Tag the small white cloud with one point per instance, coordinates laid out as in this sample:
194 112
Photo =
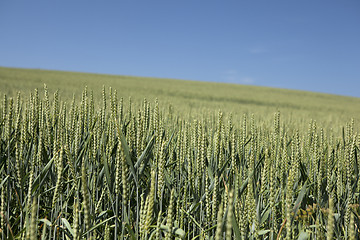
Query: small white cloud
247 80
257 50
231 72
232 76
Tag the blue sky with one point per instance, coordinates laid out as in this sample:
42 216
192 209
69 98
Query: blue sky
307 45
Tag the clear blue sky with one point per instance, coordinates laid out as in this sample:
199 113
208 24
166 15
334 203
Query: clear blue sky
308 45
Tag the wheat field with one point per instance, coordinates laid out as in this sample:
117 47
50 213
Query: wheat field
99 165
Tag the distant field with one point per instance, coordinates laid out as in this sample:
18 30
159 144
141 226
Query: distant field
192 97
